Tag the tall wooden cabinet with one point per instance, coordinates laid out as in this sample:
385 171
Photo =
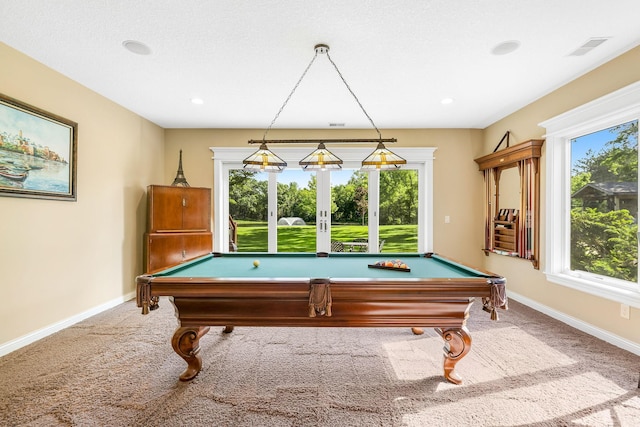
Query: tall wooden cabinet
178 225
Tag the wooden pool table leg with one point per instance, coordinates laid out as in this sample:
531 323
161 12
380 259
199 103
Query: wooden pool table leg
186 342
457 345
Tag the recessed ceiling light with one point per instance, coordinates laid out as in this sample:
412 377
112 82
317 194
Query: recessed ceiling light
136 47
197 101
446 101
505 47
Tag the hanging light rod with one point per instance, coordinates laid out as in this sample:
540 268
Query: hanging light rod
265 160
326 141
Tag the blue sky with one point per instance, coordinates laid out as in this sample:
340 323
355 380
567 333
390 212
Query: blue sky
594 141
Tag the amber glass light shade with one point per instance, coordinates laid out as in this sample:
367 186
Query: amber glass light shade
382 158
264 160
321 159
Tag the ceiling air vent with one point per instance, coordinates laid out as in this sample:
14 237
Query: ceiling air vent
588 46
336 125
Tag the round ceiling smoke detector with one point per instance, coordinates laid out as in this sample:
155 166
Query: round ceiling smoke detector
505 47
136 47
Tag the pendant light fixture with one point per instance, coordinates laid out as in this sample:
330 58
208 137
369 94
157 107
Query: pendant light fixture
321 159
264 160
382 158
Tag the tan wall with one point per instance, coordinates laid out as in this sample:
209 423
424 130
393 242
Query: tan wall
523 125
455 173
61 258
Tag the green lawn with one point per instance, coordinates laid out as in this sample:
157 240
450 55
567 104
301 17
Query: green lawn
252 237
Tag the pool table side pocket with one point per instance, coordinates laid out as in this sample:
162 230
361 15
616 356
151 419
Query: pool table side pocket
320 298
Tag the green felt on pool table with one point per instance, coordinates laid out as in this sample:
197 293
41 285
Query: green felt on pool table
309 265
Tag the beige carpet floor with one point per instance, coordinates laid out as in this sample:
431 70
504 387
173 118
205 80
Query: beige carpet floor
118 369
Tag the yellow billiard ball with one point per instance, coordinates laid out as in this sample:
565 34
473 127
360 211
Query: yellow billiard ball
256 263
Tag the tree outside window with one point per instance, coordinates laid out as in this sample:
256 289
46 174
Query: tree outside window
604 202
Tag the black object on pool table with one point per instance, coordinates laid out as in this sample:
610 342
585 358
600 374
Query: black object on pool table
383 266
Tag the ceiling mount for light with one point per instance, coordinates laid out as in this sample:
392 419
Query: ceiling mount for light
321 48
321 158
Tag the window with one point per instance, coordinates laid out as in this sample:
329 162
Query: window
592 197
398 209
417 175
604 202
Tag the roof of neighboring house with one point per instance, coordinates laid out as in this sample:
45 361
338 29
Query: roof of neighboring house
607 189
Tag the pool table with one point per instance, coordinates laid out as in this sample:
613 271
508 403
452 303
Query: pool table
321 290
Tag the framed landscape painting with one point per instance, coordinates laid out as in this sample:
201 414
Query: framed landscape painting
38 152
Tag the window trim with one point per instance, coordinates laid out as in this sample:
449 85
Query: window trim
227 158
615 108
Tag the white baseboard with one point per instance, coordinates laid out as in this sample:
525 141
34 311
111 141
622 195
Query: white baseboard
10 346
616 340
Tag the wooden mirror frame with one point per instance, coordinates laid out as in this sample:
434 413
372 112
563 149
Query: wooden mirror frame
526 225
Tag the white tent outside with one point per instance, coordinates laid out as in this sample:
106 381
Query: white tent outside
291 220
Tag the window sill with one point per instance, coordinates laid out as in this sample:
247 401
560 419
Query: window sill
603 287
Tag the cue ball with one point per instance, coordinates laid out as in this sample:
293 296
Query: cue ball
256 263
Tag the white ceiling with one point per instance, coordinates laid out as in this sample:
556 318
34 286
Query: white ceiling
243 57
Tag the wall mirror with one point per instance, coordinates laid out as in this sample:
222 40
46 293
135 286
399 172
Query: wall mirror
512 200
